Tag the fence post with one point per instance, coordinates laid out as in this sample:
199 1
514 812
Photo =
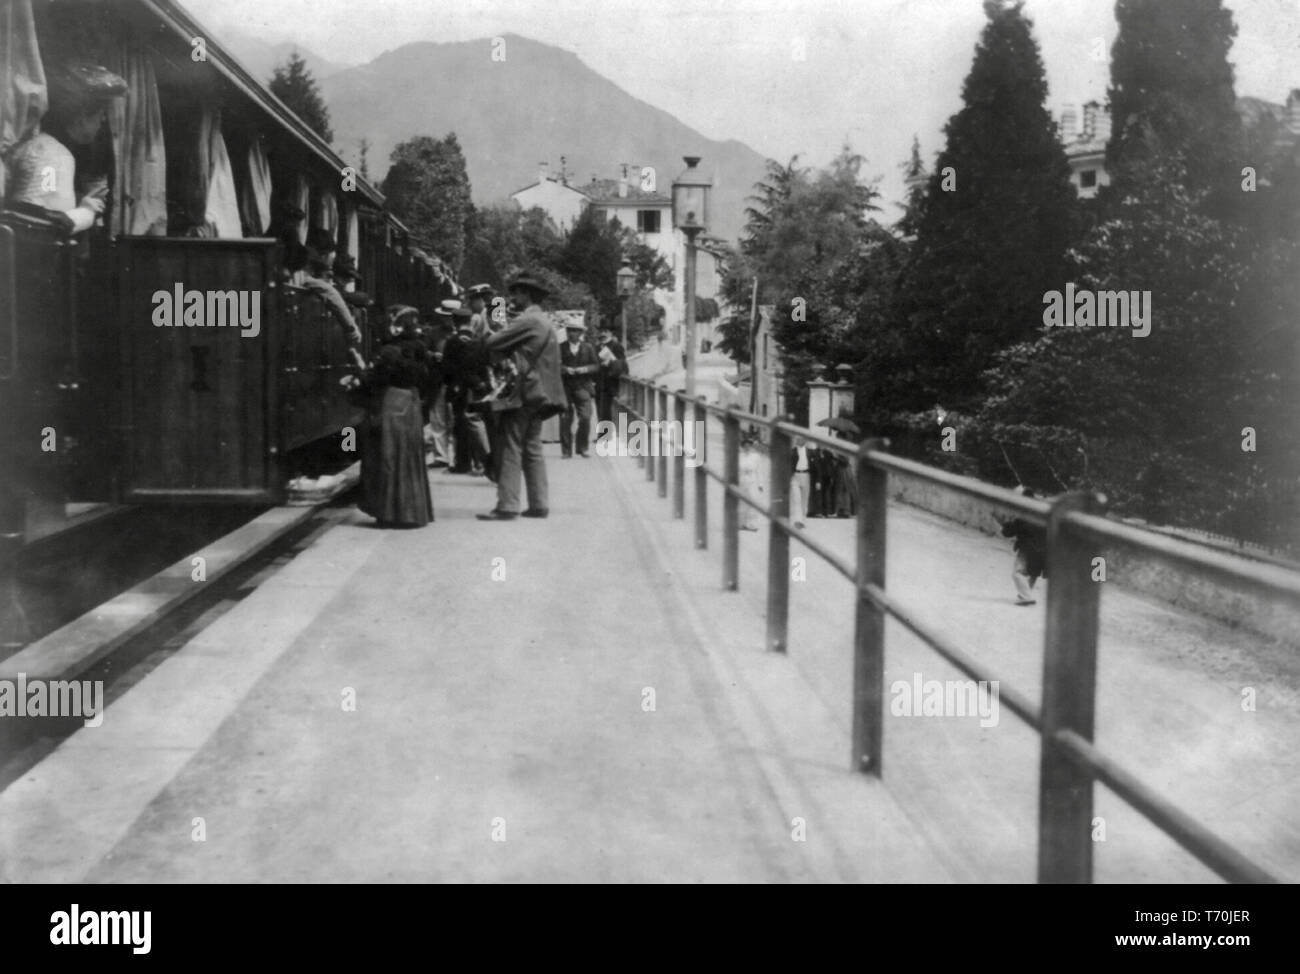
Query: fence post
1069 697
701 478
778 544
679 458
731 506
663 438
869 620
652 431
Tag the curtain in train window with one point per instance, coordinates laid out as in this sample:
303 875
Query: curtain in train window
302 199
352 232
222 210
255 190
326 213
140 186
24 97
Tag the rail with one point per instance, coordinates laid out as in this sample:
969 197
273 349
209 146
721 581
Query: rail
1075 527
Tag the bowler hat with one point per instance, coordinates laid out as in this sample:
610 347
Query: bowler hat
531 283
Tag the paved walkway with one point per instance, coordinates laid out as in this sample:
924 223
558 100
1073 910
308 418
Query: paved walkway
503 677
501 731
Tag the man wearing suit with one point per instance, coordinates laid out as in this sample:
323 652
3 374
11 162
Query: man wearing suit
529 345
579 365
801 467
613 364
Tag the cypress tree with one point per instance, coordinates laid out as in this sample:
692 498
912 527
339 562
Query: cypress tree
996 220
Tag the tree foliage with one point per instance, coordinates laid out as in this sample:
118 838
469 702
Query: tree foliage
428 189
294 85
995 221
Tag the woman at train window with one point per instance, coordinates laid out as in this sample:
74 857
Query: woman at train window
394 484
44 168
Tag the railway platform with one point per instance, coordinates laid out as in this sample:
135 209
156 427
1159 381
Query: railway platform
577 699
464 702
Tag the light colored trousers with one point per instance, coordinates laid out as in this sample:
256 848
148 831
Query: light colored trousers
799 484
440 426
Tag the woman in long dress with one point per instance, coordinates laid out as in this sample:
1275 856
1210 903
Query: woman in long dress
394 482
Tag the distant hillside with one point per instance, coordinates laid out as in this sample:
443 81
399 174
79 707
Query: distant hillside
262 58
541 103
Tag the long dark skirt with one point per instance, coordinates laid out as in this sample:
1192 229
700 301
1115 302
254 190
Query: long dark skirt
394 483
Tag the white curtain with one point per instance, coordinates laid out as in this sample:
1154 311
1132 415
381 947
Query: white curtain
24 96
222 210
135 121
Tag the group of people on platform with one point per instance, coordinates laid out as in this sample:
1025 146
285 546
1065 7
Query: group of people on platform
484 378
821 482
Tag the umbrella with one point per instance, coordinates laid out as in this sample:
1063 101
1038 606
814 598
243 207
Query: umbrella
842 424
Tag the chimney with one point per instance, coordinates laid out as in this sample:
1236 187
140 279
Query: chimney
1069 124
1089 121
622 184
541 171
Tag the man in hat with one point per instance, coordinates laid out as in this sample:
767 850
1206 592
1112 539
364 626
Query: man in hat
43 169
529 344
465 366
579 366
480 304
613 364
319 281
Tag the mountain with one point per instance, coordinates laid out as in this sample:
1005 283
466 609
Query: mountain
539 104
261 58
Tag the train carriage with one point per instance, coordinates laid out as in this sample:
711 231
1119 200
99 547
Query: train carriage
122 376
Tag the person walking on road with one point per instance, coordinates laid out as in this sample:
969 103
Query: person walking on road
527 349
579 365
1031 553
801 465
613 365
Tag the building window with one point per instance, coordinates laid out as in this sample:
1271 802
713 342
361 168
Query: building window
602 214
647 221
764 407
765 351
1088 178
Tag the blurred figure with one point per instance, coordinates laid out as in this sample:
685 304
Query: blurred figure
442 445
750 481
613 365
1031 553
800 480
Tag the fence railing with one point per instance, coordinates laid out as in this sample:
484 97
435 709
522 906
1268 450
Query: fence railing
1076 530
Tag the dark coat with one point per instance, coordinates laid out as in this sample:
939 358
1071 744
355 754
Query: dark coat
1030 540
582 386
530 342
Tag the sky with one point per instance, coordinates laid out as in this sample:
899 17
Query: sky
784 76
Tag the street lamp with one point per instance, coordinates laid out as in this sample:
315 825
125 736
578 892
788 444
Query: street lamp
691 216
626 287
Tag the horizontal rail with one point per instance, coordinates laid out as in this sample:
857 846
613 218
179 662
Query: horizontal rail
1064 720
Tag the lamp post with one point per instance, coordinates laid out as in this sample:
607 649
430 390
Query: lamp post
691 216
626 279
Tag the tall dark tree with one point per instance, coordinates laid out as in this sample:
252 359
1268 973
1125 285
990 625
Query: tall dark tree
428 189
294 85
995 221
1171 94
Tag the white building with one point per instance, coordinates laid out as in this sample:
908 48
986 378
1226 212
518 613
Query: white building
1085 147
647 212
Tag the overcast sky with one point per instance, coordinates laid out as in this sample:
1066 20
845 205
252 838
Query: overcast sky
874 71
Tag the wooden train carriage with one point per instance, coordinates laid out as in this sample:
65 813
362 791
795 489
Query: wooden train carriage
155 405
